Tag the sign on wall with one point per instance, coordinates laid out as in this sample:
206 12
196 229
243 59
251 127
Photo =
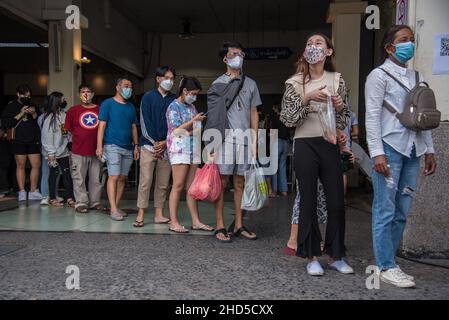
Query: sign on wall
401 12
274 53
441 54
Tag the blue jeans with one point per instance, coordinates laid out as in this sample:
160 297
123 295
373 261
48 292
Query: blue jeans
279 180
44 179
391 205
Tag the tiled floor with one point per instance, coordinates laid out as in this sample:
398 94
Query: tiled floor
33 217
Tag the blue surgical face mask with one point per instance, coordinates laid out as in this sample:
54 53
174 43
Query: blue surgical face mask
126 93
404 52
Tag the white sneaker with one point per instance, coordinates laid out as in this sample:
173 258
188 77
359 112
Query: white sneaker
45 201
36 195
22 196
342 267
412 278
397 278
314 268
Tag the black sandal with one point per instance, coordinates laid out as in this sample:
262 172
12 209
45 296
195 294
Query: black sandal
225 233
240 231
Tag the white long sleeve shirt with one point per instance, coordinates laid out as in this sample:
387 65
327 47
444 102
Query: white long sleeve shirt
381 124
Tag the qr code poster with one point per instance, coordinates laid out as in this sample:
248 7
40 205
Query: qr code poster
441 54
444 52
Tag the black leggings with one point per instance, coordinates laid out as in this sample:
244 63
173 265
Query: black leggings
64 168
316 158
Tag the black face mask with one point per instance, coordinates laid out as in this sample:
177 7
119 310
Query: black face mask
25 101
63 105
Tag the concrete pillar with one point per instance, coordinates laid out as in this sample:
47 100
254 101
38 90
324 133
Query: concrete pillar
345 17
65 50
64 69
426 234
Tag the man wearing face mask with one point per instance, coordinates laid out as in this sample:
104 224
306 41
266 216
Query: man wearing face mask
154 146
20 117
117 142
232 104
82 122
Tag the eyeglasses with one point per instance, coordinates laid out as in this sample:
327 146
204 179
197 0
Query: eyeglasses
235 54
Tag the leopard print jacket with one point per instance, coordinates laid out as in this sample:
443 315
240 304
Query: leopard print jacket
293 112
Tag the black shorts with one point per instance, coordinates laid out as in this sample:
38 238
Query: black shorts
24 149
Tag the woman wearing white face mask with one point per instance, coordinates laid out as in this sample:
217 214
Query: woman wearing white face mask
315 158
182 120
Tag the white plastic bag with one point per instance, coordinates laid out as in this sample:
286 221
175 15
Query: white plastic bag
255 194
326 113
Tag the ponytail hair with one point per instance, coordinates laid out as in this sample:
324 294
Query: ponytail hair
189 83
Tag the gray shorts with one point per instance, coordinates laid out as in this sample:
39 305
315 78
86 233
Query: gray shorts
233 159
118 160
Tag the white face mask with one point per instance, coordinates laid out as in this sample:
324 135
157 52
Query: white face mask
167 85
236 63
190 99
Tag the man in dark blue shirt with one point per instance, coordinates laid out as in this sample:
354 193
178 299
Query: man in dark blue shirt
153 146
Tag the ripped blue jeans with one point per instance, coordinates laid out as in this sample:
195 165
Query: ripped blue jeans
391 205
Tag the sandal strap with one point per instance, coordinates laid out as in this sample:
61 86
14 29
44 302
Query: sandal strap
223 231
242 229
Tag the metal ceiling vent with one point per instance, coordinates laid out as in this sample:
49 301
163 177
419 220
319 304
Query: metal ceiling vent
187 31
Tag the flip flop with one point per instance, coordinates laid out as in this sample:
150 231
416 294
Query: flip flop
162 222
239 233
203 227
181 230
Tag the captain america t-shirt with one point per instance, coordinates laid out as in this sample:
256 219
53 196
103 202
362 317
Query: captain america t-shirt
82 123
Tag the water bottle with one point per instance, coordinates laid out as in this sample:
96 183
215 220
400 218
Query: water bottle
102 158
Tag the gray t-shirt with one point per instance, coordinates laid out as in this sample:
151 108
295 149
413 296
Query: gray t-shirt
239 115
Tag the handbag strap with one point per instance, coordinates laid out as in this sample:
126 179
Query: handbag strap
397 80
242 82
15 127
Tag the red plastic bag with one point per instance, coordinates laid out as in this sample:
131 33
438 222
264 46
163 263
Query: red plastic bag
207 184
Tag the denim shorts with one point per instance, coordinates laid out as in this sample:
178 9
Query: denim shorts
118 160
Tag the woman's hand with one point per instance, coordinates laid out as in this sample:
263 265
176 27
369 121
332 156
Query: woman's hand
23 111
430 165
51 159
381 165
199 117
342 139
317 95
337 102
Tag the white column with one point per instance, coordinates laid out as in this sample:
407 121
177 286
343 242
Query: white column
65 50
346 19
64 54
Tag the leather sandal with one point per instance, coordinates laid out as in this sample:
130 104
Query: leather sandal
240 231
225 233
